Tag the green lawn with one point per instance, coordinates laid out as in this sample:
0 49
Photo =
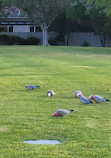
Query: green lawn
26 115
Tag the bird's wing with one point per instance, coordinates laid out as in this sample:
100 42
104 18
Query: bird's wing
34 87
63 111
52 92
37 86
55 114
84 100
30 87
98 98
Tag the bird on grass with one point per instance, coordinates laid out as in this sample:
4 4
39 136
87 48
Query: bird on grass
84 100
98 98
77 93
50 93
31 87
62 112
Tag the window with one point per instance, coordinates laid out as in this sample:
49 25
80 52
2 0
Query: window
31 28
10 28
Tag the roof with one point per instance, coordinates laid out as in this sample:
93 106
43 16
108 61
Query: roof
15 21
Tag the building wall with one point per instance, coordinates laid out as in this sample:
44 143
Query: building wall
78 38
21 28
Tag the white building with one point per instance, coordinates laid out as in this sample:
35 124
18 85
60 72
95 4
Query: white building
17 24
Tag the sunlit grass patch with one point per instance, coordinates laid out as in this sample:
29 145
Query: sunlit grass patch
4 129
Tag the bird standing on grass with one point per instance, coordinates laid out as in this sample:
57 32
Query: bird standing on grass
50 93
31 87
98 98
84 100
77 93
62 112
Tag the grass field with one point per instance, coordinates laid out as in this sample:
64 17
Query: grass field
26 115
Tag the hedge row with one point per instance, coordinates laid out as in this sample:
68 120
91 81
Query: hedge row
17 40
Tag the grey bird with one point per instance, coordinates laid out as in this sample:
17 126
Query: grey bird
84 100
98 98
31 87
62 112
50 93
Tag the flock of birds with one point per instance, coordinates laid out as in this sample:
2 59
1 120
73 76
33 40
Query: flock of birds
78 94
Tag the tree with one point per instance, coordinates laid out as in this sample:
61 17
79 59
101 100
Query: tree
3 5
101 3
101 24
90 15
62 26
100 20
77 13
42 12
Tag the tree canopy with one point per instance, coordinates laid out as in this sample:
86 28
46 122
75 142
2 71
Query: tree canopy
105 3
3 5
42 12
93 14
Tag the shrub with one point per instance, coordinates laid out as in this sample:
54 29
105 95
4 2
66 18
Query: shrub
17 40
11 40
14 40
33 40
4 39
52 42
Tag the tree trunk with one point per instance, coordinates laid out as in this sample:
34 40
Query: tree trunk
68 35
44 28
102 40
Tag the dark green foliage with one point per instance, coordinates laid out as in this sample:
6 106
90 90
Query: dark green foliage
53 41
3 4
106 3
59 39
81 20
101 23
3 38
33 40
17 40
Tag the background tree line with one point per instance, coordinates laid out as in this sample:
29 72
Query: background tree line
85 16
65 16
